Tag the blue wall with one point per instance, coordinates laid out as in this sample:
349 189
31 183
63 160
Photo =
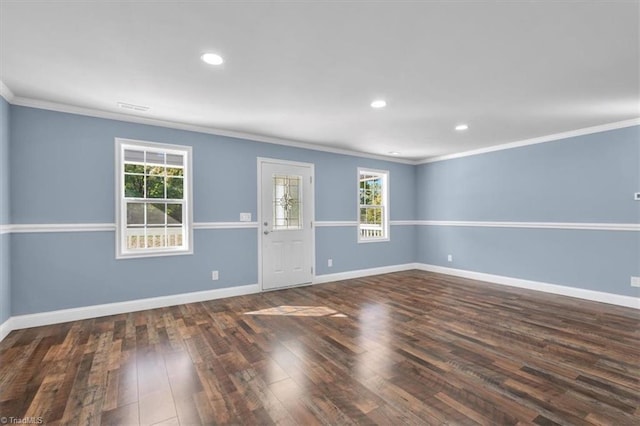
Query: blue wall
5 252
62 168
588 178
65 175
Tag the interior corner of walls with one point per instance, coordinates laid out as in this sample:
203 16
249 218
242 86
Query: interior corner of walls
5 328
6 93
579 293
634 122
360 273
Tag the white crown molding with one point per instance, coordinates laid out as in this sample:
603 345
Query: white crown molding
75 314
580 293
6 93
536 225
533 141
70 109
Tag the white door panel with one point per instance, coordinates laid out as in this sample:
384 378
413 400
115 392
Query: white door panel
277 248
297 251
286 215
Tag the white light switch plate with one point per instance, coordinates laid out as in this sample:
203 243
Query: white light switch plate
245 217
635 281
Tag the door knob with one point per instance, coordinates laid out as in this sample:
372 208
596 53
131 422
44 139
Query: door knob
266 232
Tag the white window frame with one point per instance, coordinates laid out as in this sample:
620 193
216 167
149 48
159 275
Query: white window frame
385 205
121 212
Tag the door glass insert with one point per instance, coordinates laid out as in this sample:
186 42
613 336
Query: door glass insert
287 206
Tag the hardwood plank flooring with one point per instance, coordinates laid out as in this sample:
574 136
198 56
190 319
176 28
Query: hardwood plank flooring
404 348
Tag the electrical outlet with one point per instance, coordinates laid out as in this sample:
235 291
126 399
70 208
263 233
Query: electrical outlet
214 275
450 258
635 281
636 196
329 263
245 217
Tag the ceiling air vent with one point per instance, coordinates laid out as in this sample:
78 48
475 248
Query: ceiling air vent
132 107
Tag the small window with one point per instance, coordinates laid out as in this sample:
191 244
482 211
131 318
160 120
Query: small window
153 199
373 210
287 208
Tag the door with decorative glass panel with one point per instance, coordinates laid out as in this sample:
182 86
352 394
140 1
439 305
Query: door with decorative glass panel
286 220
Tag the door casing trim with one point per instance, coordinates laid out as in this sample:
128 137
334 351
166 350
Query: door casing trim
264 160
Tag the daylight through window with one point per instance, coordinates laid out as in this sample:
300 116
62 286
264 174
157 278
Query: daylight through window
154 203
373 221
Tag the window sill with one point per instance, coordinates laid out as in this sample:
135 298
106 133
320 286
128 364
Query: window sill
154 253
373 240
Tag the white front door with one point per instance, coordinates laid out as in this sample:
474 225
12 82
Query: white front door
286 218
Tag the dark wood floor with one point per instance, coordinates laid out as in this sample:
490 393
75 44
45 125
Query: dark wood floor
403 348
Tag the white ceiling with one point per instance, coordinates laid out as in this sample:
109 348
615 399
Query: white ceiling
307 71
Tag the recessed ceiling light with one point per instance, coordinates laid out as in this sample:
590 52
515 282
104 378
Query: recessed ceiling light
378 103
461 127
394 153
212 59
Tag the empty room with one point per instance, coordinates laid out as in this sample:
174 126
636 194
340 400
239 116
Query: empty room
319 212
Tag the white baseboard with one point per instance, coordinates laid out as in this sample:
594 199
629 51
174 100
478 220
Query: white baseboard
75 314
6 328
580 293
349 275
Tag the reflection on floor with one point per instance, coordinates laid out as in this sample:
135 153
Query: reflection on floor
404 348
299 311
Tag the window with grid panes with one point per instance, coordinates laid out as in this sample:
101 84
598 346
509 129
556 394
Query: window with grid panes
373 211
153 194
